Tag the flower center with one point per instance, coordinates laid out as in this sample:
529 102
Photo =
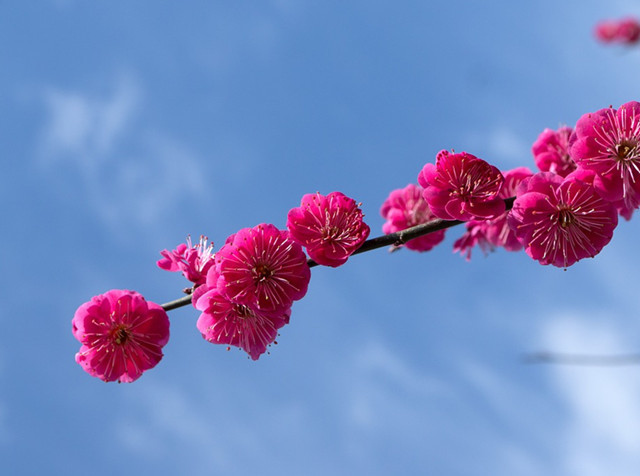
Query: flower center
330 233
242 311
262 273
626 149
120 334
565 218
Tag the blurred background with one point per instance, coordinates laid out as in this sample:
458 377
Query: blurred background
126 126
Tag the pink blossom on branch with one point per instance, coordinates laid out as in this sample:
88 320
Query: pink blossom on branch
406 207
495 232
224 322
608 143
330 227
561 221
551 151
193 261
475 235
262 268
462 187
122 335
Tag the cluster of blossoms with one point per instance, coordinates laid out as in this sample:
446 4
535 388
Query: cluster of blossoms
625 31
244 291
588 176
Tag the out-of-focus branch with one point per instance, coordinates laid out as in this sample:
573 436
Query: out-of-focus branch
592 360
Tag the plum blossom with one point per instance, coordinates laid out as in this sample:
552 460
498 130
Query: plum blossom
476 235
495 232
224 322
122 335
625 31
628 31
608 143
261 268
561 220
551 151
462 187
192 260
406 207
330 227
606 31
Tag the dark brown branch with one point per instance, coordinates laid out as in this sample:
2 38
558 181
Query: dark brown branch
392 239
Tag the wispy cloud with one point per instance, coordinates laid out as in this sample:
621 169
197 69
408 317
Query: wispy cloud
603 404
211 432
377 370
169 420
505 144
392 400
130 172
502 145
85 127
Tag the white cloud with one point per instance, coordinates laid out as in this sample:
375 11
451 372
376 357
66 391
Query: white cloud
130 173
504 144
377 369
602 435
147 186
213 431
470 410
85 127
500 144
168 421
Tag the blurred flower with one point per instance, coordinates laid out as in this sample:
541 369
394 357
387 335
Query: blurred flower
606 31
262 268
561 220
462 187
628 31
192 261
625 31
224 322
331 227
122 335
608 143
406 207
551 151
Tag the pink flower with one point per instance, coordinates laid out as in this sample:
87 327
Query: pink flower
476 234
262 268
551 151
192 261
495 232
224 322
628 31
625 31
561 221
331 227
608 143
606 31
405 208
462 187
122 335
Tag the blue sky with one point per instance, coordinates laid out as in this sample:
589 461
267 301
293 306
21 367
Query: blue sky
128 125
